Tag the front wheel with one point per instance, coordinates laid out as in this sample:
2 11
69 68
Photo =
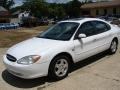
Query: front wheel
113 47
59 68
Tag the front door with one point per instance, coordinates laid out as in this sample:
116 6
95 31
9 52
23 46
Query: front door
84 47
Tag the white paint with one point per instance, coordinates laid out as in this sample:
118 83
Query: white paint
48 49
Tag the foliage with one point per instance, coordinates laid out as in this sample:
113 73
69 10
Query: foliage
7 4
14 9
29 22
73 8
56 10
37 7
40 8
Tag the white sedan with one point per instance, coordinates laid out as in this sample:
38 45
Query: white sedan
53 52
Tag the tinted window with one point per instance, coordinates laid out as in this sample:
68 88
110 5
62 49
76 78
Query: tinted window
100 26
87 28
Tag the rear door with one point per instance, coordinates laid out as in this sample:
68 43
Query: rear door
103 35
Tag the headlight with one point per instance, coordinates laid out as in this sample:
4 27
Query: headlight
28 59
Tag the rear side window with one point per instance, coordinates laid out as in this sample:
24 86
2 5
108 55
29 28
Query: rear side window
100 26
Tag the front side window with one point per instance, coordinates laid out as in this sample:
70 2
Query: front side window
60 31
87 29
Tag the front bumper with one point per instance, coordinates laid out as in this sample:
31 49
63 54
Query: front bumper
27 71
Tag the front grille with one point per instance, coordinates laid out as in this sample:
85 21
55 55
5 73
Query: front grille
11 58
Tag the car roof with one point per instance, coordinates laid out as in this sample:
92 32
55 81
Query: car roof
81 20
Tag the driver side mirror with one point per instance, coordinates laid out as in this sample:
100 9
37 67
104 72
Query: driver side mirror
82 36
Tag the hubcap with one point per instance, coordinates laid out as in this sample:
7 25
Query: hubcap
61 67
113 46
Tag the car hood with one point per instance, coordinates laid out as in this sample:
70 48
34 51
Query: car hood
33 46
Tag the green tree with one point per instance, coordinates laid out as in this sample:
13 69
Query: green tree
40 8
37 7
56 10
7 4
73 8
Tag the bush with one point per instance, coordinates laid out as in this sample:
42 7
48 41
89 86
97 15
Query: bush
29 21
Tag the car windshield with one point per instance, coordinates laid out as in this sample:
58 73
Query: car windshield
60 31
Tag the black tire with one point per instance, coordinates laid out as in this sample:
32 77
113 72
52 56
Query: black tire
52 69
113 47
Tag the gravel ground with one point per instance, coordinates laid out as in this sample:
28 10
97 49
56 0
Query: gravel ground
101 72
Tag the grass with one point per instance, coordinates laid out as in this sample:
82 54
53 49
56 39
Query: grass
9 38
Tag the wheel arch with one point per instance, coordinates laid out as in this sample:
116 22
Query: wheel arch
64 54
115 38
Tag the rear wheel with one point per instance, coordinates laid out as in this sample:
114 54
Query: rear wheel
59 67
113 46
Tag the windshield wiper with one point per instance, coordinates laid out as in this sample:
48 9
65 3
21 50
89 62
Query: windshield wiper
44 37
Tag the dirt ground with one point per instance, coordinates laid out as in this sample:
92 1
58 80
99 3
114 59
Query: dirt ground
11 37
